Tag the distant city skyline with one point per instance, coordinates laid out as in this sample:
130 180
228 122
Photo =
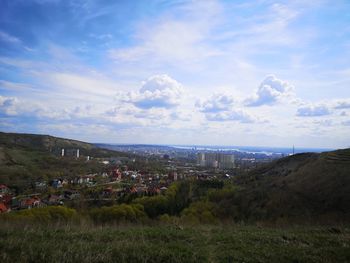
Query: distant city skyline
211 72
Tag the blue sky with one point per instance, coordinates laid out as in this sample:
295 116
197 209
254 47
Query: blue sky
256 73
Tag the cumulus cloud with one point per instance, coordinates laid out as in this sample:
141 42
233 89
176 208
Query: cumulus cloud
125 112
217 103
181 116
346 123
233 115
344 104
50 114
313 110
223 107
8 105
159 91
270 91
325 123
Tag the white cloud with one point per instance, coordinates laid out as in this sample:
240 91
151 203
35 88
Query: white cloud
174 37
8 105
218 102
271 91
8 38
222 107
346 123
313 110
181 116
80 85
14 85
159 91
325 123
232 115
343 104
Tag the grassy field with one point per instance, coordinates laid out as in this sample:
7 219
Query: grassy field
169 243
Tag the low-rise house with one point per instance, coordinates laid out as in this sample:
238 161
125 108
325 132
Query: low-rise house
30 202
55 200
57 183
4 189
71 194
64 182
86 179
116 174
3 208
40 185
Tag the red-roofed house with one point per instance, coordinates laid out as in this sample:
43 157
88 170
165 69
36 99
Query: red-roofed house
3 208
30 202
116 174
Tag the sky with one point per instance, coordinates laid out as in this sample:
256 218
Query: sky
205 72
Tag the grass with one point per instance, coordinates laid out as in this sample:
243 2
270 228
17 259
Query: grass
167 243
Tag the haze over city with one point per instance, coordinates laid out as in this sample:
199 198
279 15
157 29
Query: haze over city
257 73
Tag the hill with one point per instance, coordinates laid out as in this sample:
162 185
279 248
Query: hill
25 158
47 143
303 186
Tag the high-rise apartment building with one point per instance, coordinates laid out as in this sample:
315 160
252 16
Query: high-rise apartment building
216 160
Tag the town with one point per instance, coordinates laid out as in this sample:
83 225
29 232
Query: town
121 178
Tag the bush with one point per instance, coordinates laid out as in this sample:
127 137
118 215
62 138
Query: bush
176 198
43 214
179 196
222 194
165 218
154 205
118 214
199 212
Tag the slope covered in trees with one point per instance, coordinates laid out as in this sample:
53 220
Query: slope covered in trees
303 186
25 158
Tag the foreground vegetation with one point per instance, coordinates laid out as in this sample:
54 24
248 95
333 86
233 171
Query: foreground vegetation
170 243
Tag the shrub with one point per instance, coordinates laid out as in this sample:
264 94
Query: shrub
118 214
222 194
199 212
154 205
43 214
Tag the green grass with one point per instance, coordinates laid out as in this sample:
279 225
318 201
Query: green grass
168 243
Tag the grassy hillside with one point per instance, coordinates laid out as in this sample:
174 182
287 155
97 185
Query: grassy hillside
302 186
25 158
46 143
171 244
